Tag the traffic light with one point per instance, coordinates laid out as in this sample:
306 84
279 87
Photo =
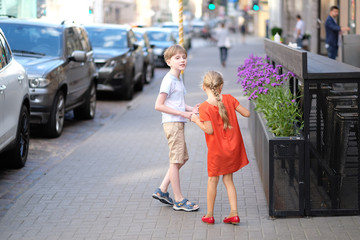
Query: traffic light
211 5
256 6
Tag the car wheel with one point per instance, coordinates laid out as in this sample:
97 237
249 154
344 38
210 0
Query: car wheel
17 156
57 116
87 111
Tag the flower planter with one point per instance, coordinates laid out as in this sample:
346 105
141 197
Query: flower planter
280 161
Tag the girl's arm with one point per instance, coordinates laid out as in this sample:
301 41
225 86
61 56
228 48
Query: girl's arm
243 111
205 126
161 107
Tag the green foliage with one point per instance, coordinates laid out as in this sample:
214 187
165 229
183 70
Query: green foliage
275 30
281 111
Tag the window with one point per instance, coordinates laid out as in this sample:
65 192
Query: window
4 53
352 16
72 41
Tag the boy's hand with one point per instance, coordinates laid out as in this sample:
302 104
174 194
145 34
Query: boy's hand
187 115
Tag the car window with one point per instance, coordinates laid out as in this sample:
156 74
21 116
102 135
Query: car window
3 61
5 52
140 38
72 40
132 37
158 36
31 39
107 38
84 40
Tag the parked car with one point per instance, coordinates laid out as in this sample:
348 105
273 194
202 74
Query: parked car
148 51
118 58
161 38
14 108
186 33
59 62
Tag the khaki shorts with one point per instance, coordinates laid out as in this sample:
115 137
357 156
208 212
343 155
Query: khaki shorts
174 132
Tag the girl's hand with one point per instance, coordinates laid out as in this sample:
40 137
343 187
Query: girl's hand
195 109
195 118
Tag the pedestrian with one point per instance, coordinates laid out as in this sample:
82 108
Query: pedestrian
299 31
175 113
223 42
333 33
243 32
226 150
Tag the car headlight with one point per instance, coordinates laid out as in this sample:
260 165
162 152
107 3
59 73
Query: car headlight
110 64
158 51
38 82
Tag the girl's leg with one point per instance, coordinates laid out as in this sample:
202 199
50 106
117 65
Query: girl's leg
231 191
211 195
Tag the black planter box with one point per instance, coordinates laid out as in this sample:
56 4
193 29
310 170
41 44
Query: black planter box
280 161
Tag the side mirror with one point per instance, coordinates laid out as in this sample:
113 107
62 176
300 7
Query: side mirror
78 56
152 45
135 45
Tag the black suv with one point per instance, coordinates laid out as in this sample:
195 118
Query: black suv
59 61
118 57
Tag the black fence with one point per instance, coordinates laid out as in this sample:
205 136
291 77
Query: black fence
330 168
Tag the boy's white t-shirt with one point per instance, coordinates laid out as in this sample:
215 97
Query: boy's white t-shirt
175 90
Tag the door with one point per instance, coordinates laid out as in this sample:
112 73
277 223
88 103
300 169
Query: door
77 73
10 95
138 55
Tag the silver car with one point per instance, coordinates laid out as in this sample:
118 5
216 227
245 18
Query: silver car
14 108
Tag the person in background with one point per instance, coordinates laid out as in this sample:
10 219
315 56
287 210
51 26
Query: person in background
333 32
243 32
223 42
299 30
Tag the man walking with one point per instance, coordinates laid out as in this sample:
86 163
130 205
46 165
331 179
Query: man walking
333 32
299 30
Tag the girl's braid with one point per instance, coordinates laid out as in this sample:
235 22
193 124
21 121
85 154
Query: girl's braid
214 80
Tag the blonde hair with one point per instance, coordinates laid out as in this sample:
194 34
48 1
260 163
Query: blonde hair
213 80
173 50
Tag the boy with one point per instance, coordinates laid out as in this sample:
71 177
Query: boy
171 103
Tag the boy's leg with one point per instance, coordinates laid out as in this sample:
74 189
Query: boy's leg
231 191
175 183
175 180
211 195
165 182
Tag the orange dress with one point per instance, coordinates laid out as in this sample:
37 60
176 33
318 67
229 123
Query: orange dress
226 150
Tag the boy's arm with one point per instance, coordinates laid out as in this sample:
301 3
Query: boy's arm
194 109
205 126
160 106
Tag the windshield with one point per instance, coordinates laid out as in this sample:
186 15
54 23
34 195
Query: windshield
107 38
158 36
36 40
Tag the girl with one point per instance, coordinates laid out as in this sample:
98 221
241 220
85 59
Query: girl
226 151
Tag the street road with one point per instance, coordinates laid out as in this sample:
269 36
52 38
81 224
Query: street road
46 153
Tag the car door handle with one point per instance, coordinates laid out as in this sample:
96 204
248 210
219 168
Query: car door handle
20 78
2 89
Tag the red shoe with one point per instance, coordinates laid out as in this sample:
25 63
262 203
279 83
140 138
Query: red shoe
232 220
209 220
